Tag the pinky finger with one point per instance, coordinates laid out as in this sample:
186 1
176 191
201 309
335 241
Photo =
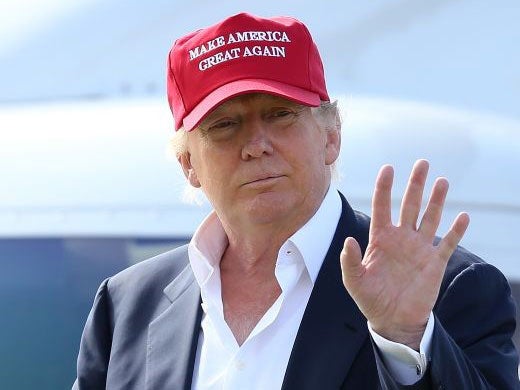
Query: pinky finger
454 235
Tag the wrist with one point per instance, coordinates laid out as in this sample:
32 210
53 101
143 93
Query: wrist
411 337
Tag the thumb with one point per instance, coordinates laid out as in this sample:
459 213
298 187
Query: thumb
350 258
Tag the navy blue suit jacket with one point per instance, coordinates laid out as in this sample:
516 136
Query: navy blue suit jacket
143 329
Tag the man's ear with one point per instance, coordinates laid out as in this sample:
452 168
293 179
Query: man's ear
333 144
188 169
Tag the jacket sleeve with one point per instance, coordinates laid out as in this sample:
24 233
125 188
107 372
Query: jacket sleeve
96 340
472 344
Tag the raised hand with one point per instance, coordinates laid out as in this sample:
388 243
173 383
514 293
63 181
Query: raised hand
396 283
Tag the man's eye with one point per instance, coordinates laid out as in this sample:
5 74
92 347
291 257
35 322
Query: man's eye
222 125
281 113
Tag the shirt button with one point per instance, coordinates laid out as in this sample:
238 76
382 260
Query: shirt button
240 365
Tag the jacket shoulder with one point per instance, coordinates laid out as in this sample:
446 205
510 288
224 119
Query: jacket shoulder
463 262
149 277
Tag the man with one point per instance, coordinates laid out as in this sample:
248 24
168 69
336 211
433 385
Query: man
284 285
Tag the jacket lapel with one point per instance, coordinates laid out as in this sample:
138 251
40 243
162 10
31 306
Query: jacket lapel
173 336
332 329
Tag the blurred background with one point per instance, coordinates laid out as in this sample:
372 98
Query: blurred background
86 185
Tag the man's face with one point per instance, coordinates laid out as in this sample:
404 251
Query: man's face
261 159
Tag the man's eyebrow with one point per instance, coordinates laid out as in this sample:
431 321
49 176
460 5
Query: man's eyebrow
219 110
275 101
211 116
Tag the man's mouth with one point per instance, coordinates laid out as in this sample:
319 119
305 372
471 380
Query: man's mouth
263 180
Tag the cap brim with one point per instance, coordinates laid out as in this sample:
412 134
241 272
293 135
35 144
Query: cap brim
241 87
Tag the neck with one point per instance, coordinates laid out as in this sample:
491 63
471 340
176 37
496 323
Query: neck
248 252
253 246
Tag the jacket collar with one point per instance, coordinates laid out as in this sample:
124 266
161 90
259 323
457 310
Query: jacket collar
173 336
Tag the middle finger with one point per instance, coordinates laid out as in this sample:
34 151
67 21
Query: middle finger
412 199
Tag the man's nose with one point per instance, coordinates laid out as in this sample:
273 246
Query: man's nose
258 141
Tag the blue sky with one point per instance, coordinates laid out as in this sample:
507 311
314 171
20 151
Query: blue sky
457 53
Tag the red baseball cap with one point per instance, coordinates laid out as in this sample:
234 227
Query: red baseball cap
242 54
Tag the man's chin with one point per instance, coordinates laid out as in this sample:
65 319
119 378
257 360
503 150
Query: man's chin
267 207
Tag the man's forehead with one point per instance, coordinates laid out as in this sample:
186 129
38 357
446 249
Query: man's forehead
256 98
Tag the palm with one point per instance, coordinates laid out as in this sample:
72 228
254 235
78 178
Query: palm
396 283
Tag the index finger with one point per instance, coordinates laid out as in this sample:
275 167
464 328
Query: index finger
382 199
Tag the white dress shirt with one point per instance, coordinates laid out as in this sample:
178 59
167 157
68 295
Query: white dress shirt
261 361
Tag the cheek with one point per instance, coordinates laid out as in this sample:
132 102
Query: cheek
313 162
213 174
311 151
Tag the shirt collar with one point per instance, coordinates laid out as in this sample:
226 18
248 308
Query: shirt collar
312 240
206 248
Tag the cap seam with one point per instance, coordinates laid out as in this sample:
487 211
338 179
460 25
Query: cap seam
174 78
309 43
